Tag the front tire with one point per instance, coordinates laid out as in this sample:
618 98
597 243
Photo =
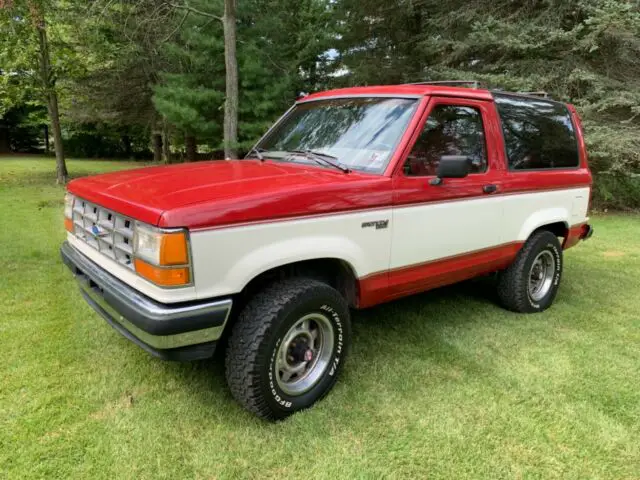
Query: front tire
531 282
287 348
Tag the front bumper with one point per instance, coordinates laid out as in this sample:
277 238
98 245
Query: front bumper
185 331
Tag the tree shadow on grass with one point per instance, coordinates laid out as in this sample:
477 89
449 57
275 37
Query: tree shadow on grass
446 307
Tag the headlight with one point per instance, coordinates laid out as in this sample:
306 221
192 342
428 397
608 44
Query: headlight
147 245
162 257
68 211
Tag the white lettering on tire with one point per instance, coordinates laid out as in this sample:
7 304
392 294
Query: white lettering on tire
336 319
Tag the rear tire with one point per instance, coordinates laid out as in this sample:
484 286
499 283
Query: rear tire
287 348
531 282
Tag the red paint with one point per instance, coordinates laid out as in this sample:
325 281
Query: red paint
214 194
582 145
385 286
207 194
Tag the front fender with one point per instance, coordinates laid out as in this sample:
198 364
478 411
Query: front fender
290 251
227 259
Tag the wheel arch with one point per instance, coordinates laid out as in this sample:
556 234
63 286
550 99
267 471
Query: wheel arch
336 272
559 229
554 220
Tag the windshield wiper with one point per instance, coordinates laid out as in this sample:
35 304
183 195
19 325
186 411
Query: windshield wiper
322 157
258 153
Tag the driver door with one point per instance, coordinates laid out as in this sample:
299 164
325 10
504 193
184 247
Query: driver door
452 231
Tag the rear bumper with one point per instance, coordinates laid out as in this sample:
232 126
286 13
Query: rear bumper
582 231
587 232
186 331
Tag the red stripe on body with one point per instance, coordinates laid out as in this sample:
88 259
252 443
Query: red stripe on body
384 286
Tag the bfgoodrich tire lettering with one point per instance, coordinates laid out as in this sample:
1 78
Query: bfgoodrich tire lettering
252 366
516 284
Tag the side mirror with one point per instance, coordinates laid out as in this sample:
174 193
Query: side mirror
452 166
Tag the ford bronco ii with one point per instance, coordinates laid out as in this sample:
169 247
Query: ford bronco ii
353 198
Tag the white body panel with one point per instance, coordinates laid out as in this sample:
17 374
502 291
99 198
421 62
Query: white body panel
226 259
525 212
433 231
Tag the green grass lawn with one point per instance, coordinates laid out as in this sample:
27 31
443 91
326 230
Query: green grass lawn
440 385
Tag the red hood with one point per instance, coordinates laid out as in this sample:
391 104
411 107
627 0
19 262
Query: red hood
207 194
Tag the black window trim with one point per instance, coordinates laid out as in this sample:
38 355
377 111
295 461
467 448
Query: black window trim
504 143
437 102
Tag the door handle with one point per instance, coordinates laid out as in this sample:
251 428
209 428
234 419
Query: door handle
491 188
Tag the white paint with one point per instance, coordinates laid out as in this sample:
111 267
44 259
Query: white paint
438 230
226 259
528 211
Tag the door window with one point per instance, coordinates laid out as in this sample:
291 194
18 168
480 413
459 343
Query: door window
449 130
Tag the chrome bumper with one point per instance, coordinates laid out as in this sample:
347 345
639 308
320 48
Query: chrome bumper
176 332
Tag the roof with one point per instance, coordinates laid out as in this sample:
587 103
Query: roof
402 91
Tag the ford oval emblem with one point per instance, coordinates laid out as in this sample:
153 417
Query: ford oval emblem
97 232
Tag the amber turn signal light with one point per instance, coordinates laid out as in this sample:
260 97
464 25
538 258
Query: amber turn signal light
164 277
68 224
173 249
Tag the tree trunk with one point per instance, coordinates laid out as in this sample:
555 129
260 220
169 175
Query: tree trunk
231 69
156 139
46 139
48 82
126 143
191 148
4 140
166 143
54 115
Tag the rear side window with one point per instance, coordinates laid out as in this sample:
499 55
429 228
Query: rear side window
538 134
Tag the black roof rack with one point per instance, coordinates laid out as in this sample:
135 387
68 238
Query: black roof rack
451 83
536 94
477 84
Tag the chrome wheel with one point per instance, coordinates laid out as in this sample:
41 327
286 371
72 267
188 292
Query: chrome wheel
541 275
304 354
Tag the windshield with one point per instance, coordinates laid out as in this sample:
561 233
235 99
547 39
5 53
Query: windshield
358 133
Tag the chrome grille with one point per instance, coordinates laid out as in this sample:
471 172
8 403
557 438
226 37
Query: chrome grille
106 231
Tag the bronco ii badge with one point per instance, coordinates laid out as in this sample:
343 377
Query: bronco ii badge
380 224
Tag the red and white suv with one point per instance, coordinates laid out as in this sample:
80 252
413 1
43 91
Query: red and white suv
355 197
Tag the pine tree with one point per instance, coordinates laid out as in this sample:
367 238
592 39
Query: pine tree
582 51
